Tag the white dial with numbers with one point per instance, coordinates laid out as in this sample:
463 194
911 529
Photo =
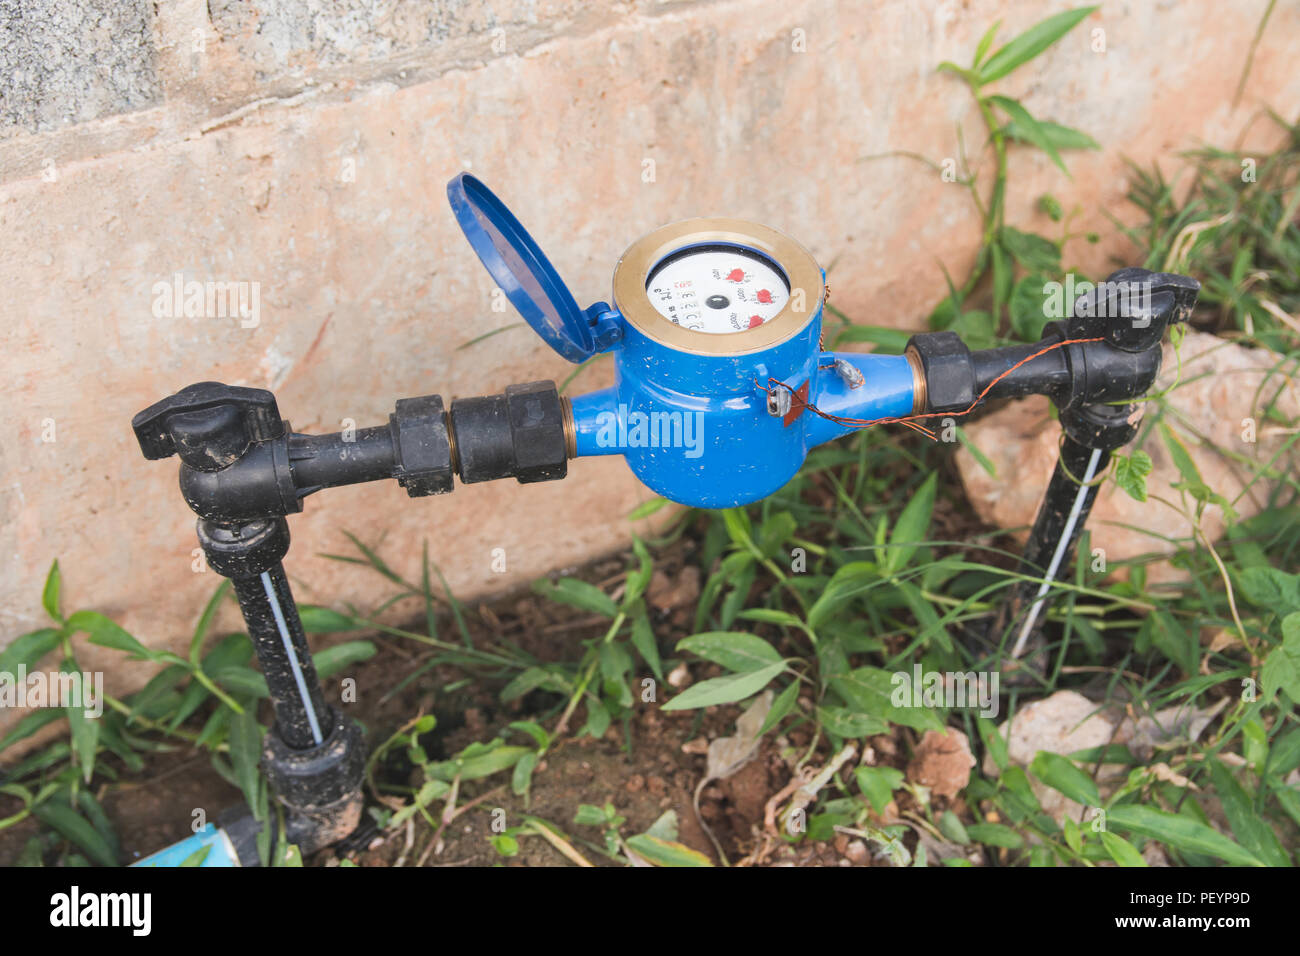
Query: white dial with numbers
717 289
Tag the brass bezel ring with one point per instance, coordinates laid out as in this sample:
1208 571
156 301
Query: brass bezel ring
800 269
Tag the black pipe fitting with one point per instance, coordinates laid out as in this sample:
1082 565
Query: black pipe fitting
321 786
240 462
518 434
1122 320
422 463
949 372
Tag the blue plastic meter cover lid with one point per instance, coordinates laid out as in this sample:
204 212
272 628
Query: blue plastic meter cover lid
521 270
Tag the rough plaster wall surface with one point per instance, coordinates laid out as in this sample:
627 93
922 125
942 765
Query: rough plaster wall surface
305 150
67 61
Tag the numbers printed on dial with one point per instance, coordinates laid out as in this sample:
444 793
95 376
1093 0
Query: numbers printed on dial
718 289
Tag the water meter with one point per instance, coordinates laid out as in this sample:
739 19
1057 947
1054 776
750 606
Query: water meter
715 331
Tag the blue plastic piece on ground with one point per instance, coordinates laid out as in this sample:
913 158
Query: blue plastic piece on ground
211 842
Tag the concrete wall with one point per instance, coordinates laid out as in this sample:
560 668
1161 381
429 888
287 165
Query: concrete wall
305 145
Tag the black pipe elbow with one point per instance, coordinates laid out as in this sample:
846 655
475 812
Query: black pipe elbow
257 485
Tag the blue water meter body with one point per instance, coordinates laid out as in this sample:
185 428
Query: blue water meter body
715 332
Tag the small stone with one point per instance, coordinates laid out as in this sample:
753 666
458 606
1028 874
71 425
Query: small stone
942 762
856 853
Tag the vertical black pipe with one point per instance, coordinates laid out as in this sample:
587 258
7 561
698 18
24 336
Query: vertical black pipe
250 555
1091 434
1049 550
281 644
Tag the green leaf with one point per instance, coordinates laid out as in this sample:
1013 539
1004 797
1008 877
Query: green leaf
50 593
197 858
1049 205
638 580
1270 588
1062 137
1029 128
334 659
912 526
245 742
589 815
205 619
1120 850
29 725
665 852
323 620
995 834
886 340
1036 253
646 509
1247 825
978 327
734 650
846 583
1028 307
1061 774
643 639
108 633
84 729
1283 757
614 660
725 690
878 784
775 532
845 723
241 680
770 615
1179 832
521 779
482 764
871 690
1003 276
27 650
950 826
290 855
60 816
1131 473
994 742
739 529
1182 458
981 459
532 729
783 704
1029 44
577 593
531 679
505 844
1281 669
986 41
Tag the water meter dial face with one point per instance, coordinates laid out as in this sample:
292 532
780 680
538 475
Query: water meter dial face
718 288
714 286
